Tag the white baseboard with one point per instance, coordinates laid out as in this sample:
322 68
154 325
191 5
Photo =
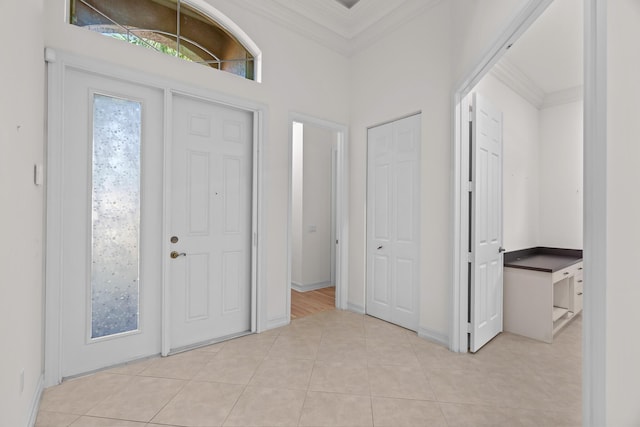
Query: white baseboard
310 287
35 402
434 336
356 308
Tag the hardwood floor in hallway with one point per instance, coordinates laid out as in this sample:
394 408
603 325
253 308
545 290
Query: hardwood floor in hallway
307 303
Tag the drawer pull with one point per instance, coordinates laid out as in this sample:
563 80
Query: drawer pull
579 281
579 293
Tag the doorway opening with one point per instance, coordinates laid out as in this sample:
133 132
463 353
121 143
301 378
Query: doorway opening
542 106
592 370
317 216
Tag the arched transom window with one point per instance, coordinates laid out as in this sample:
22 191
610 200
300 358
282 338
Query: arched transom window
172 27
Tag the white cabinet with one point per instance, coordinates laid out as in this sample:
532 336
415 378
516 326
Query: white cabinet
538 304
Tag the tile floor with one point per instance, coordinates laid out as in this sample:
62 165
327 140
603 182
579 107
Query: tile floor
334 368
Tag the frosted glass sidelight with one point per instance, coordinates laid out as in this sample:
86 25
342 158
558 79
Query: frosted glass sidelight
115 216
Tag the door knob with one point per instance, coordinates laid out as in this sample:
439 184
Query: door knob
175 254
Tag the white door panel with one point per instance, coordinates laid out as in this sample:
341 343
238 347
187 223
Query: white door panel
486 230
211 217
111 233
393 222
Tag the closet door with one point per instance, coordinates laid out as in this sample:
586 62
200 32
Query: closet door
393 221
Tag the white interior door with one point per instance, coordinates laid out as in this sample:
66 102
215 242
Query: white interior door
486 223
211 227
393 221
110 256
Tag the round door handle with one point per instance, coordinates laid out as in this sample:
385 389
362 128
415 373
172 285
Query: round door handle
175 254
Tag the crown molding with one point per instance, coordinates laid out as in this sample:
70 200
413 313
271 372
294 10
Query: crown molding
390 22
332 25
566 96
519 82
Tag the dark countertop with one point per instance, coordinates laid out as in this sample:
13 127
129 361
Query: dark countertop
544 259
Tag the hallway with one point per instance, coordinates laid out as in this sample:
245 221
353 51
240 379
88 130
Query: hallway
334 368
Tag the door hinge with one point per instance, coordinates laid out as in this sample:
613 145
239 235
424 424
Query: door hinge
469 329
470 114
336 241
470 188
470 257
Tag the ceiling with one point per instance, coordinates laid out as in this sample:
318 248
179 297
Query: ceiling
348 3
547 60
334 24
543 65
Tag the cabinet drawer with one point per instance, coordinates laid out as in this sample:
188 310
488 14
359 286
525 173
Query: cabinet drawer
562 274
577 302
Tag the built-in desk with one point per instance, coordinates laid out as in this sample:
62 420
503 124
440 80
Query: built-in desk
542 290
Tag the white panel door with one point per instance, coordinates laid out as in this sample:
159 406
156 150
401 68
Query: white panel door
211 228
111 230
486 223
393 222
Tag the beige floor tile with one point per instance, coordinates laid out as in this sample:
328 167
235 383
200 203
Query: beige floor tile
342 349
332 409
259 406
478 416
306 330
237 370
132 368
283 373
336 360
295 347
200 404
344 331
79 395
399 381
140 400
105 422
213 348
256 345
383 353
54 419
525 390
495 416
340 377
405 413
182 366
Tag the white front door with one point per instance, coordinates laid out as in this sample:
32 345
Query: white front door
211 222
393 221
110 229
486 223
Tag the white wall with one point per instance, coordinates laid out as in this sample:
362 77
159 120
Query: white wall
298 75
561 176
623 213
297 186
316 245
21 214
417 80
521 163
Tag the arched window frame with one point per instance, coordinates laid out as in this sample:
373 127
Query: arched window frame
227 24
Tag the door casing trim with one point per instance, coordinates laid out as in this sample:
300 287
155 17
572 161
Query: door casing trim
57 64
